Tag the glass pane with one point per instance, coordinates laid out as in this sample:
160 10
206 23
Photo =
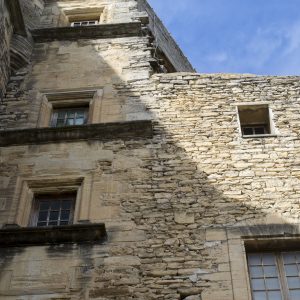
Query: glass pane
258 284
291 270
70 122
53 215
259 130
247 131
40 224
71 114
254 259
294 295
65 215
55 205
79 121
53 223
44 205
64 222
293 282
256 272
274 295
259 296
270 271
66 204
289 258
272 284
60 123
43 215
269 259
61 114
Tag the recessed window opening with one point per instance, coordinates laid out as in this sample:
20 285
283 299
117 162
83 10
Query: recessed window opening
53 210
254 120
69 116
274 275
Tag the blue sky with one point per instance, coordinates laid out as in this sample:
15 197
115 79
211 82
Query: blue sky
236 36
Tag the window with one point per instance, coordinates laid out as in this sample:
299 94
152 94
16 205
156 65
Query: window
275 275
69 116
255 120
84 23
53 210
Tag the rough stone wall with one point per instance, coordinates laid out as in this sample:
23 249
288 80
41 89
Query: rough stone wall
5 33
175 206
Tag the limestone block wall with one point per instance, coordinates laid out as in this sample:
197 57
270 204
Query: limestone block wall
179 206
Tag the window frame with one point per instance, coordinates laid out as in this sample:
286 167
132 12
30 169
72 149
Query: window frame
281 273
269 126
80 22
66 110
69 196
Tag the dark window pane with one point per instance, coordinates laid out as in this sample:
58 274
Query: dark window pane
64 222
259 130
247 131
40 224
43 216
53 215
67 204
44 205
55 205
65 215
53 223
60 123
61 115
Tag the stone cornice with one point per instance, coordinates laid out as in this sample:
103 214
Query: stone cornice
102 131
77 233
103 31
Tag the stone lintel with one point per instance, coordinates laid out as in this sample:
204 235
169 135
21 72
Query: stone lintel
103 31
102 131
77 233
16 16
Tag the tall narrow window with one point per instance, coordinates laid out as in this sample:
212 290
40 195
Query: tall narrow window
275 275
53 210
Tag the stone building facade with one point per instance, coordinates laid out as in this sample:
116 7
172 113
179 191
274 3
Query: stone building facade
173 183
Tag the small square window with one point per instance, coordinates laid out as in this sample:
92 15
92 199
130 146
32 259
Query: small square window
69 117
274 275
53 210
255 120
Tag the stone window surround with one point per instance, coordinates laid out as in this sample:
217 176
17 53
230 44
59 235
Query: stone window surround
84 14
256 238
26 188
69 99
273 129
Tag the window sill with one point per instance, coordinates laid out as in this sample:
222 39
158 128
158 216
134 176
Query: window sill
102 131
259 136
78 233
102 31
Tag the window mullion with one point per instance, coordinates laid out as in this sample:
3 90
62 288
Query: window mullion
282 277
